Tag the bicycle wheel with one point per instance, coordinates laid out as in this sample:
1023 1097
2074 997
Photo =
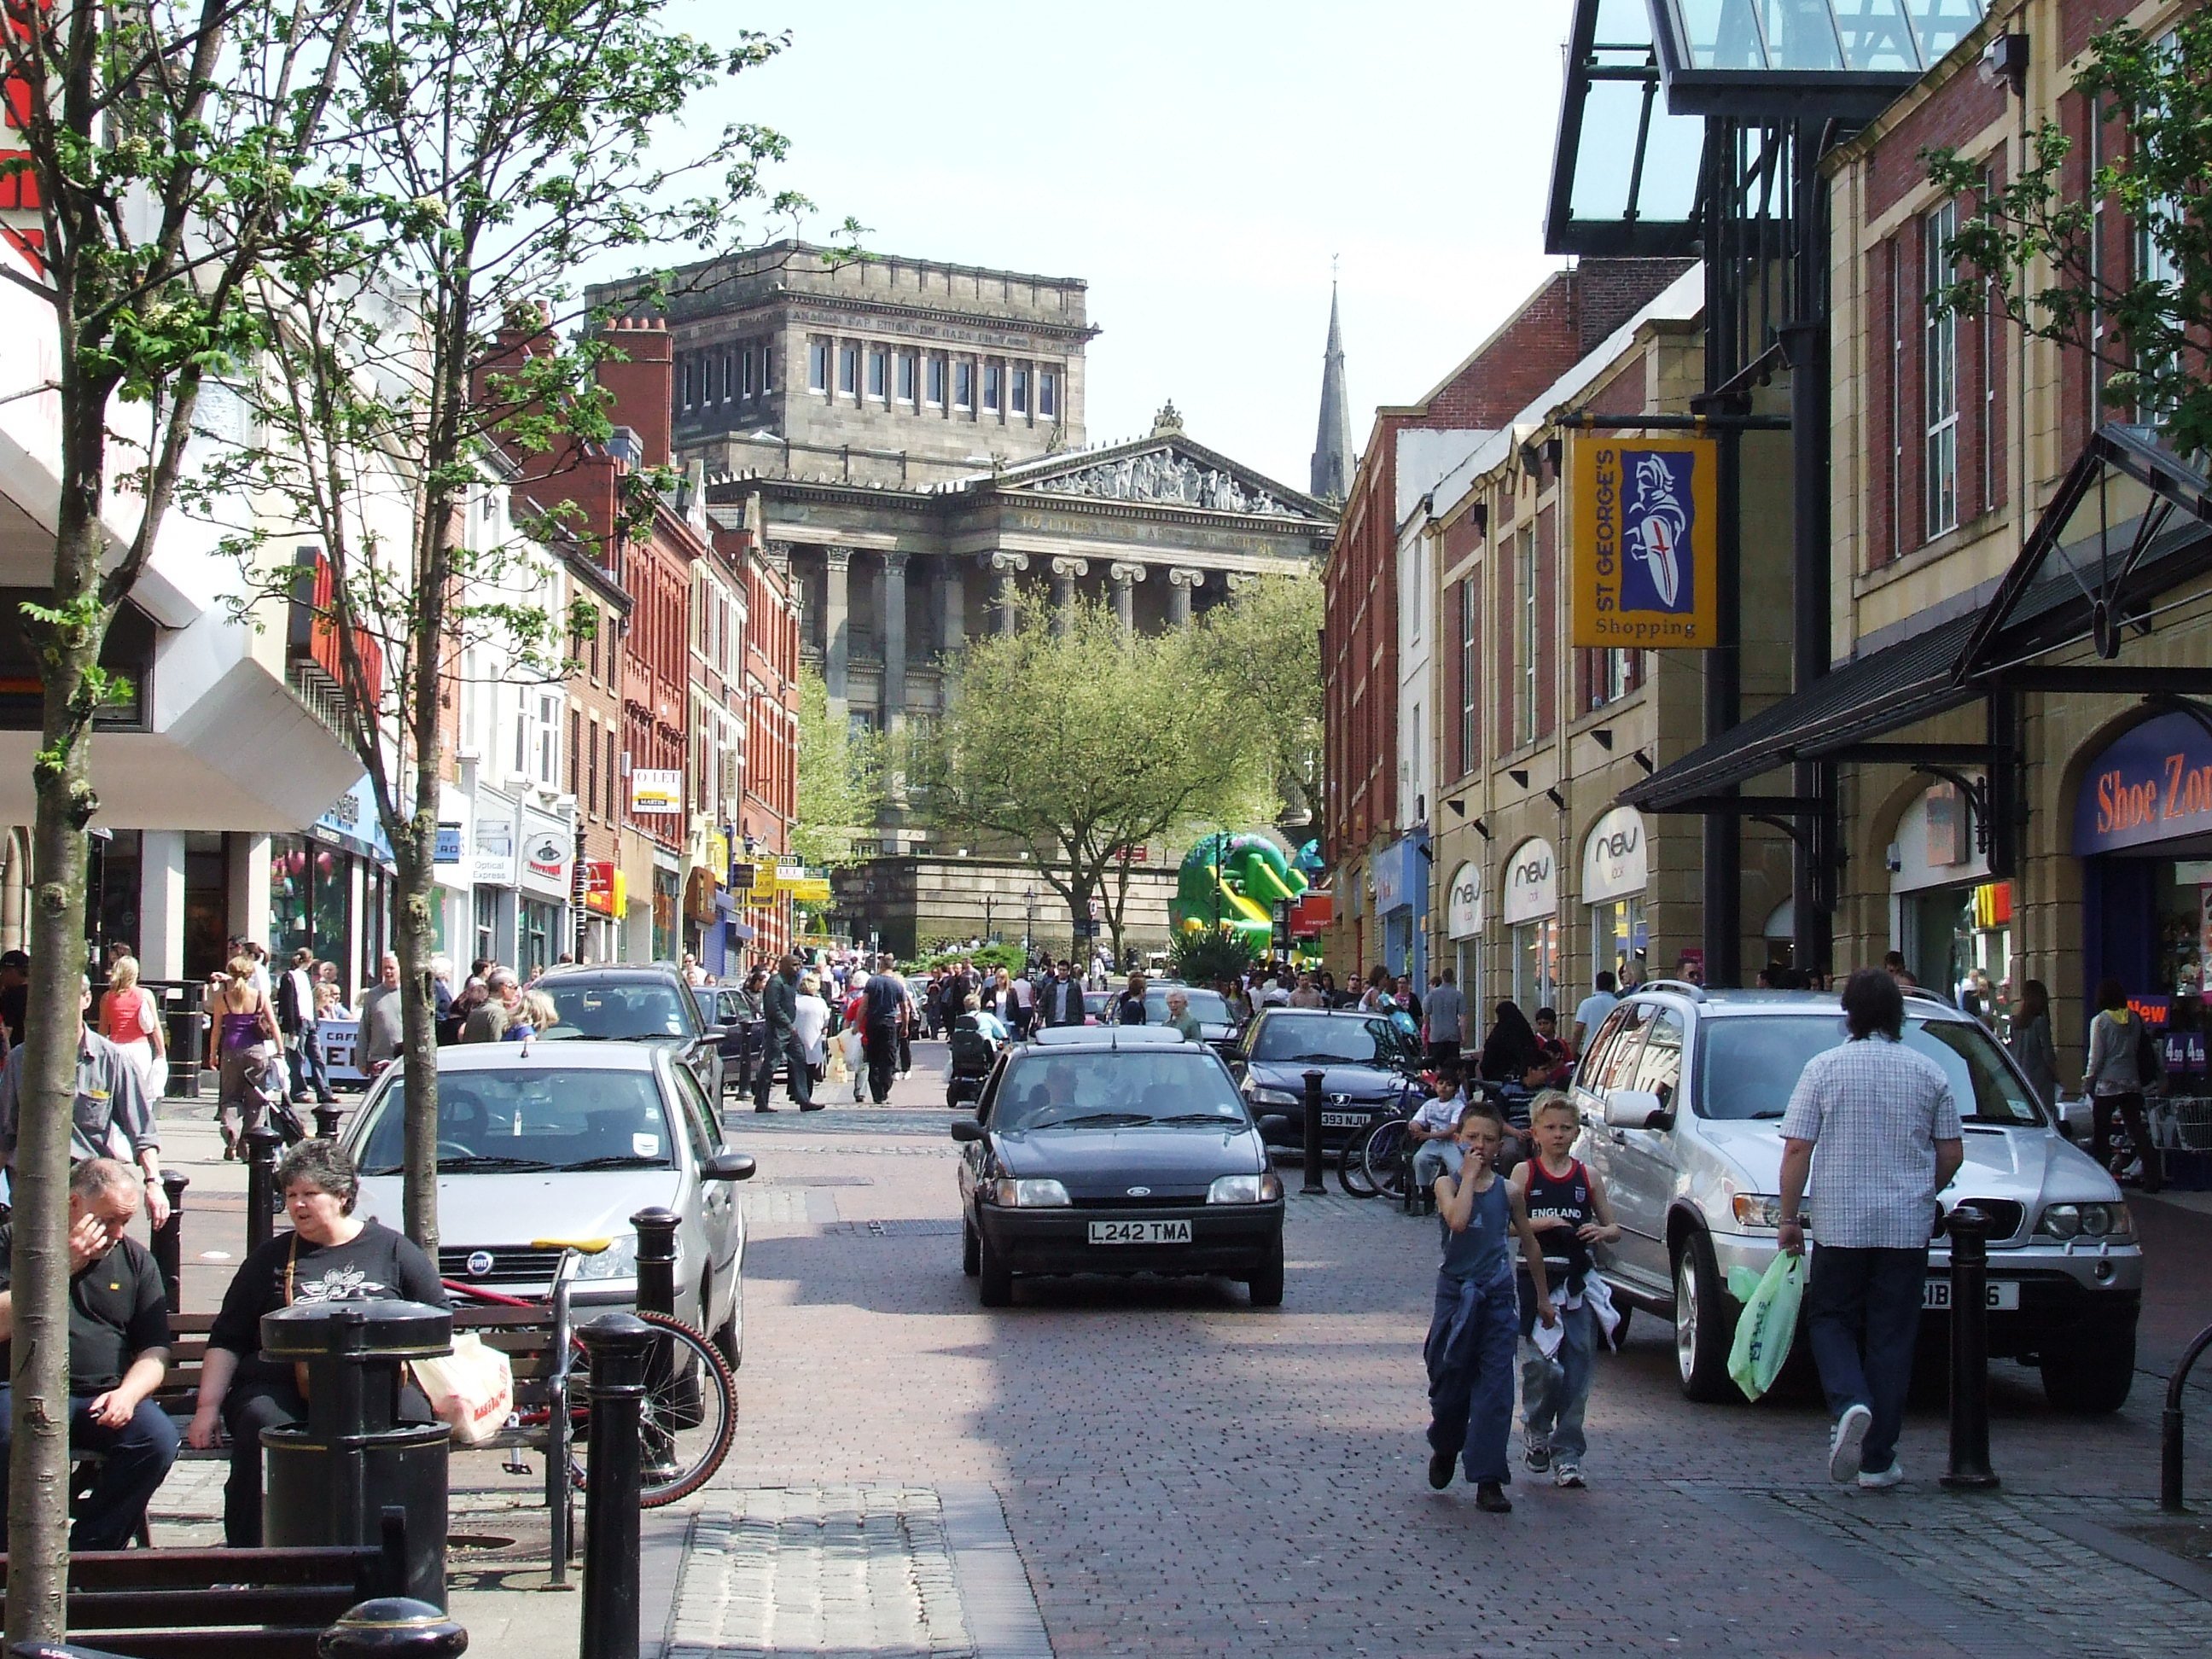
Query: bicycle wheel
1350 1167
689 1417
1389 1160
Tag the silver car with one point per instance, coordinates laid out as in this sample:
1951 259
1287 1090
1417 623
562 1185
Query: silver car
1697 1192
546 1140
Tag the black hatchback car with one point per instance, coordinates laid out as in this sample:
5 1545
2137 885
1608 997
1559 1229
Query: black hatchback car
636 1004
1117 1151
1367 1062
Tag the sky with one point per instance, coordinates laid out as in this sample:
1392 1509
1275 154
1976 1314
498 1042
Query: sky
1202 166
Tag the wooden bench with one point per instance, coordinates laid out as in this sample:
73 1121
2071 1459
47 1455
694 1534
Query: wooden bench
224 1604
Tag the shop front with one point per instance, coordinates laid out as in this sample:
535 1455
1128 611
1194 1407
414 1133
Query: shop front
1948 918
451 915
548 846
1616 868
1530 911
2142 827
330 890
1401 875
492 876
1463 928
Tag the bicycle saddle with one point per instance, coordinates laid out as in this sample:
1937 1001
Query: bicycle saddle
581 1246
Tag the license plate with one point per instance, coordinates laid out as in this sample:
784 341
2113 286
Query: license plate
1343 1120
1140 1232
2003 1295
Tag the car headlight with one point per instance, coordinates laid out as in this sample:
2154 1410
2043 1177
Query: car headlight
1245 1189
617 1261
2086 1221
1276 1097
1757 1209
1028 1194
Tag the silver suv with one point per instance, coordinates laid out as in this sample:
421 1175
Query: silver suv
1698 1192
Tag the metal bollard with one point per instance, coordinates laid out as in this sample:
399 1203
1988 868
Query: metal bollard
2170 1423
262 1143
392 1627
1969 1228
169 1240
1314 1080
656 1260
620 1345
326 1121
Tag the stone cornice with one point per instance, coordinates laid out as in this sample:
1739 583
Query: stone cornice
1000 321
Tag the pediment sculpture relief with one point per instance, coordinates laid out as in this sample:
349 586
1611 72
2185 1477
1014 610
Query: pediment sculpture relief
1162 474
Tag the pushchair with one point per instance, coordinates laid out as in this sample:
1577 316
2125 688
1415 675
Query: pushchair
972 1054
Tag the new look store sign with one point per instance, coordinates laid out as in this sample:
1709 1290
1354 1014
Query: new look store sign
2153 784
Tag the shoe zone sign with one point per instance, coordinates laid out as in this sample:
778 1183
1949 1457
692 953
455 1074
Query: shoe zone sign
1643 544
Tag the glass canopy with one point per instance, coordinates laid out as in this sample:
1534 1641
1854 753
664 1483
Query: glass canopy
1625 173
1839 58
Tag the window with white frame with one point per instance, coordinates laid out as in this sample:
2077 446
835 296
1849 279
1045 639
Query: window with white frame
991 372
1612 676
549 740
1468 734
905 377
1940 380
767 369
746 372
849 370
817 365
2154 239
1021 392
1048 394
964 386
685 376
1531 624
878 373
936 387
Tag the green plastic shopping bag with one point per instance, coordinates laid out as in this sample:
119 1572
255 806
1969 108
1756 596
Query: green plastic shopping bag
1768 1323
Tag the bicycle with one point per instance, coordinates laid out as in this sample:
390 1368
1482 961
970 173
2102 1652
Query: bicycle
688 1414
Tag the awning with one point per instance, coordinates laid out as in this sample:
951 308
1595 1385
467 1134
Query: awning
1878 692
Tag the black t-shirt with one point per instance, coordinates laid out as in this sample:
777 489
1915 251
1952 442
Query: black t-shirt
377 1265
117 1309
15 1005
1128 1009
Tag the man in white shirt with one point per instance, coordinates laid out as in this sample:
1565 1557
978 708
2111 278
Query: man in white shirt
1591 1012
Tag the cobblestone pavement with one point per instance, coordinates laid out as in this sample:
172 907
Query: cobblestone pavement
1180 1474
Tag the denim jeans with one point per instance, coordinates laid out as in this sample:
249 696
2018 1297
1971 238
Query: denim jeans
1862 1317
1554 1392
304 1054
1470 1360
135 1461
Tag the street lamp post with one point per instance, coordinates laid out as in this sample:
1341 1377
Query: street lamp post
1029 921
986 918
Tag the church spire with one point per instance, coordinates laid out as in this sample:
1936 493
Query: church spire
1332 456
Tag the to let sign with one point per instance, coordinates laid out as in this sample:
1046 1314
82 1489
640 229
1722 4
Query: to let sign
1643 543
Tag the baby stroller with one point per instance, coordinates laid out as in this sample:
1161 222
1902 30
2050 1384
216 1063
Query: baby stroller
972 1053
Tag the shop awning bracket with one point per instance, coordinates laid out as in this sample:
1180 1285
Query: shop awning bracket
1976 793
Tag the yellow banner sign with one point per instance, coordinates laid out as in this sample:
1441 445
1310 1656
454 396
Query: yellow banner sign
1643 550
812 889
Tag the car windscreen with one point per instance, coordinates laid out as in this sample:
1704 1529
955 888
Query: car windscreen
1747 1067
1206 1007
612 1012
1122 1088
1326 1041
531 1118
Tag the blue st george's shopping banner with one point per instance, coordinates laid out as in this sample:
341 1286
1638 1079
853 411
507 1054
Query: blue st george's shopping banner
1642 543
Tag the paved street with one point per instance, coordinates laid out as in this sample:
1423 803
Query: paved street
1155 1468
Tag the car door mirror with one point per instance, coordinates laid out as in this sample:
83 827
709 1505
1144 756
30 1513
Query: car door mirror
727 1166
714 1034
966 1129
1635 1109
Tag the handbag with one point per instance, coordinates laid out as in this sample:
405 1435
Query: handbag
471 1390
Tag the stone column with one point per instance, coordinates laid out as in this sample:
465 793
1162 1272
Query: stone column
161 904
836 602
1065 570
1181 586
1125 577
1003 568
893 640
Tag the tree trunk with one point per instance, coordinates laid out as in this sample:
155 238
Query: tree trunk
38 1498
412 896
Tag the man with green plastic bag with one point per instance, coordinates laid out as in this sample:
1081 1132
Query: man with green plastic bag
1887 1127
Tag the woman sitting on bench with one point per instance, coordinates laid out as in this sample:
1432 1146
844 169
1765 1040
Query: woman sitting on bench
330 1255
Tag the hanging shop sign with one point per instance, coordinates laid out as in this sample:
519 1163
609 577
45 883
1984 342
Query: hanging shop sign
547 846
1463 910
1396 871
605 891
2152 784
449 844
1644 554
1616 858
1532 882
656 790
495 845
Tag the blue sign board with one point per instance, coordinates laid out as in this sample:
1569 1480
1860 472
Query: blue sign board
1398 872
449 844
2152 784
352 822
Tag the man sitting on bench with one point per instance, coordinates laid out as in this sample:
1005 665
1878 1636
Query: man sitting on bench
119 1351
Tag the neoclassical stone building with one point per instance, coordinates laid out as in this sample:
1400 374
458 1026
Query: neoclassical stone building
910 434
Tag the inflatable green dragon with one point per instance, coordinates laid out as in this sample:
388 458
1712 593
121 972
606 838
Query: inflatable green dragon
1236 881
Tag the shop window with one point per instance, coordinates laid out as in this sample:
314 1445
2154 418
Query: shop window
1618 940
1536 964
486 923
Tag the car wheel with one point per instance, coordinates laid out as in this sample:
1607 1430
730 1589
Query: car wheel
2089 1372
1266 1284
994 1279
1703 1322
971 1250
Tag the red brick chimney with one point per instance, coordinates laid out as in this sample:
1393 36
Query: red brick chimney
525 334
643 387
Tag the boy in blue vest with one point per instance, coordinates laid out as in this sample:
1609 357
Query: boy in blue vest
1477 1319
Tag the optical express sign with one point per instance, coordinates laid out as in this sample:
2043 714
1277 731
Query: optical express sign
1642 572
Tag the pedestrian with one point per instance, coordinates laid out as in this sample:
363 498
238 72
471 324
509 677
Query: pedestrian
488 1021
296 1023
810 1026
1376 999
2031 1043
1873 1126
247 1040
15 994
382 1033
2122 1068
1555 1062
883 1004
1511 1052
1471 1333
1591 1012
1893 963
1442 1022
779 1045
131 1020
111 1116
1567 1211
1309 995
1129 1006
1062 1001
1180 1017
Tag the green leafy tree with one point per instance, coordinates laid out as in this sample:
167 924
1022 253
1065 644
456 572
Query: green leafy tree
840 782
171 148
2029 247
1264 648
1082 742
506 152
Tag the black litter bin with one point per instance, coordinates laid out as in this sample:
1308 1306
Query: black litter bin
184 1030
330 1478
